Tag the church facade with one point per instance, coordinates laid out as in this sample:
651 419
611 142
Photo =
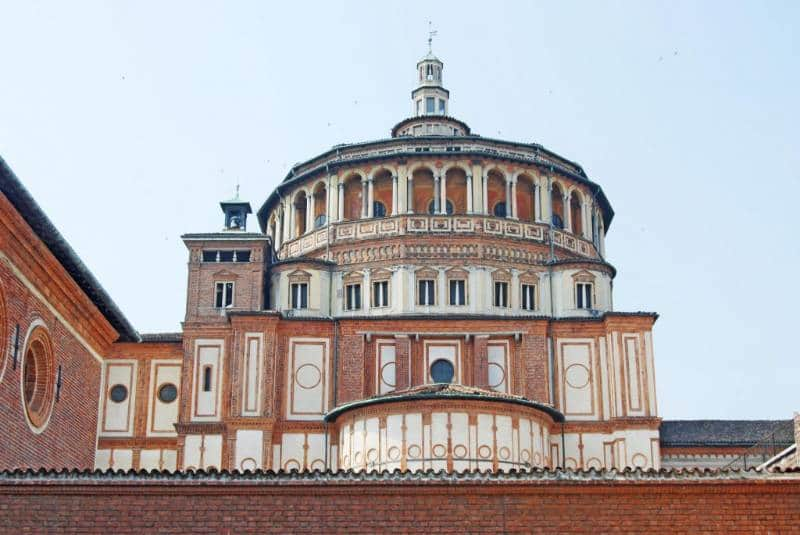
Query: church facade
435 300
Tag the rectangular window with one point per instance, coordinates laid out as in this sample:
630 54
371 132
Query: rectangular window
430 105
426 292
501 294
226 256
441 107
458 293
300 295
353 297
583 295
207 379
223 295
380 294
529 297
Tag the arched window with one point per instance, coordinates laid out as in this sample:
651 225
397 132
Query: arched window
448 207
576 209
557 206
378 209
499 209
320 221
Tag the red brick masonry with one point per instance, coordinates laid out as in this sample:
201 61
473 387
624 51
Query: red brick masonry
533 502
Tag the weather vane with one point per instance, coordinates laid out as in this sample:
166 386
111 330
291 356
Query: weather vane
431 33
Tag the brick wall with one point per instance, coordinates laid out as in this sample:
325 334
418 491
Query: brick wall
485 506
69 438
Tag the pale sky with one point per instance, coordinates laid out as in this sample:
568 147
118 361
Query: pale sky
130 121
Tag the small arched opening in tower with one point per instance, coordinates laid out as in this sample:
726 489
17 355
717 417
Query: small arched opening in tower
526 197
352 197
423 190
300 214
457 189
496 194
557 205
382 205
320 205
575 212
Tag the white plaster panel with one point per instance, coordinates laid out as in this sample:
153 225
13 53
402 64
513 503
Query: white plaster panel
150 460
251 385
577 378
459 436
208 355
102 459
191 452
449 350
161 416
485 441
308 377
122 459
371 442
386 367
118 417
414 444
505 442
498 366
212 456
633 369
292 451
316 451
249 449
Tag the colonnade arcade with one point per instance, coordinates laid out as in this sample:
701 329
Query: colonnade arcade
385 191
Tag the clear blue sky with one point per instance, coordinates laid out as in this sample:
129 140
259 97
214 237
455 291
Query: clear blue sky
130 121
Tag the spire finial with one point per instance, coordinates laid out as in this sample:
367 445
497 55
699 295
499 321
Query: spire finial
431 33
237 190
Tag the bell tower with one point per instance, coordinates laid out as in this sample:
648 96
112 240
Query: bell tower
430 97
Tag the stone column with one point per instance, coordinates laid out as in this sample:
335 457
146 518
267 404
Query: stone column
508 197
278 231
309 213
370 199
470 206
514 198
537 202
567 214
363 198
410 194
340 203
547 208
437 198
587 221
485 202
292 222
395 196
443 194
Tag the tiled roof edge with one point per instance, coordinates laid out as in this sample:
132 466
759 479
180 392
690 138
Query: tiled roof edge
429 476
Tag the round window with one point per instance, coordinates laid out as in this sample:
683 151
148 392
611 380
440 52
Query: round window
167 393
118 393
38 381
442 371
